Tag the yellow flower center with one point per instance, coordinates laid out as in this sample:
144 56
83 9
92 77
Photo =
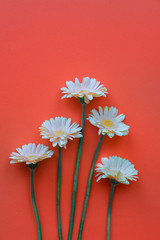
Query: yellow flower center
59 133
84 91
115 174
32 157
108 123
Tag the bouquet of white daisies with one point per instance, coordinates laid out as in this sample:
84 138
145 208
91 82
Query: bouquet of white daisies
59 130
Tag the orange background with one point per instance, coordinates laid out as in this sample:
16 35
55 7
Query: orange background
45 43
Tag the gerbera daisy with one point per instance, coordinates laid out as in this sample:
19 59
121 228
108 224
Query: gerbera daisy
108 122
86 90
31 154
59 130
116 168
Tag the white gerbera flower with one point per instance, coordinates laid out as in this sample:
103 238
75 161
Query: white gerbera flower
108 122
31 154
116 168
58 130
88 89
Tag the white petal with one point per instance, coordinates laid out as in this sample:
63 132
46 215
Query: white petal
113 112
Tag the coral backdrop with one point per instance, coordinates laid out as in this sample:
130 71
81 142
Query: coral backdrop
45 43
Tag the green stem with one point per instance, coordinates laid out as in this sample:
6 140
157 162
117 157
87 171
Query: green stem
34 202
109 211
59 194
89 187
75 182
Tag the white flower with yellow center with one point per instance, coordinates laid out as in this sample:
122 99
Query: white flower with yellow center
88 89
108 122
59 130
31 154
116 168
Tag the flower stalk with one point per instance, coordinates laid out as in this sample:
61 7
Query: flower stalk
74 193
113 184
32 168
59 194
89 187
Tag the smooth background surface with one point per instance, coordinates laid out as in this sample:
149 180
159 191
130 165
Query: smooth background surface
46 43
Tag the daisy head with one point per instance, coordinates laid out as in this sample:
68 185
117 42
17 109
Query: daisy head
108 122
116 169
59 130
85 91
31 154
